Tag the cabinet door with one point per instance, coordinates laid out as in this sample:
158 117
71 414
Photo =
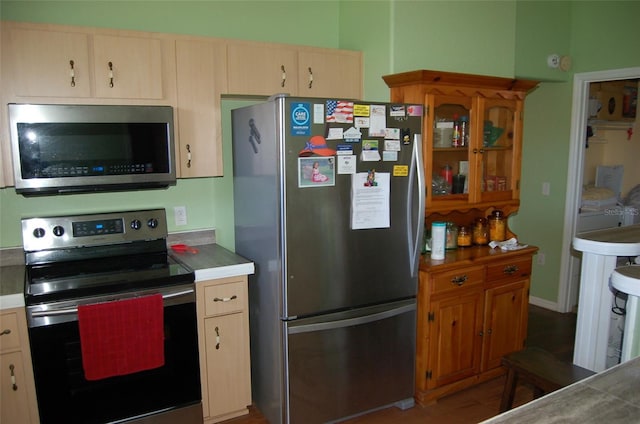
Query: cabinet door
505 328
127 67
443 157
14 399
330 74
228 364
49 63
262 69
201 78
455 338
501 149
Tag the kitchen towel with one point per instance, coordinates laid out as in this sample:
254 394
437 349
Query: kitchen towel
121 337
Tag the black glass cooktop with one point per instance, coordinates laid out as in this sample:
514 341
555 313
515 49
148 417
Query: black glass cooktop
73 279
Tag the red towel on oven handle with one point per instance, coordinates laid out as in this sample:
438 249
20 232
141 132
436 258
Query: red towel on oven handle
121 337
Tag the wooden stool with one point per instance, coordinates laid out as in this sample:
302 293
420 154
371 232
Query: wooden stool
540 369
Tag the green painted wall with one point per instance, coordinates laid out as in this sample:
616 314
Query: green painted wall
502 38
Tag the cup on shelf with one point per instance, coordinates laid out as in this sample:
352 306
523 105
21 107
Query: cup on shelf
457 184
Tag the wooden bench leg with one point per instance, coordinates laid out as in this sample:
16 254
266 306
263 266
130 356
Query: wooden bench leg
509 390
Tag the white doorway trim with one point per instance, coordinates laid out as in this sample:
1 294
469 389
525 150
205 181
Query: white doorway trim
568 286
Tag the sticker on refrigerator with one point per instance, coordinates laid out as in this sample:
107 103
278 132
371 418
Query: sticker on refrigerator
318 113
400 170
370 200
397 110
335 134
393 145
300 119
389 156
392 133
344 149
414 110
361 122
361 110
316 172
339 111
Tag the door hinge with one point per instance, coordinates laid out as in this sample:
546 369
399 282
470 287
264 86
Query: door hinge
431 316
429 375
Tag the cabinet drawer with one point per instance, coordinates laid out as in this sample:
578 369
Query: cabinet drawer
225 298
510 270
458 279
10 339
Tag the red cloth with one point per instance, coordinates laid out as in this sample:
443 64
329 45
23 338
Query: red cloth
121 337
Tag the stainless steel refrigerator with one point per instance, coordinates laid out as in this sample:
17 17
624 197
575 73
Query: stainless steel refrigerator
329 204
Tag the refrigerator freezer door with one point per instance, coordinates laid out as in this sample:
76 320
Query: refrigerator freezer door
351 363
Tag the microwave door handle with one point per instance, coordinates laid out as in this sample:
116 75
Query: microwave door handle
73 310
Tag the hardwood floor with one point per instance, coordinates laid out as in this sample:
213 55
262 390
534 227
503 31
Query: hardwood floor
548 330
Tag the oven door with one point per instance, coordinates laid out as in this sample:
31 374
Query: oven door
65 396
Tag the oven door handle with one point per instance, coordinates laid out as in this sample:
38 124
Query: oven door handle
74 310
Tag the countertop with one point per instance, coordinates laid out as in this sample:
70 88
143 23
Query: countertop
611 397
618 241
210 262
213 261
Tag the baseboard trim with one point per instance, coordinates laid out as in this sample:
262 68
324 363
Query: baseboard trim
543 303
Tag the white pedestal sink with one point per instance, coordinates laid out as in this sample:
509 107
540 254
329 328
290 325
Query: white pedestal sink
600 250
627 280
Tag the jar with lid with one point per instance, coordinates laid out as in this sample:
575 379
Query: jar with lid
464 236
452 236
480 232
497 226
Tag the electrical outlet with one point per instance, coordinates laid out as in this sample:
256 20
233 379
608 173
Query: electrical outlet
540 258
180 214
546 188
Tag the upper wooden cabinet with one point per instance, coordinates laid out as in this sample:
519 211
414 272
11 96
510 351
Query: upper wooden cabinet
78 63
267 69
489 152
201 79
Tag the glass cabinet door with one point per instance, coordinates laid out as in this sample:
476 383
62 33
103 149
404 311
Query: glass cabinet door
499 147
447 149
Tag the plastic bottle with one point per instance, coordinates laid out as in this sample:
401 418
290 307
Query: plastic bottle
438 240
455 138
464 131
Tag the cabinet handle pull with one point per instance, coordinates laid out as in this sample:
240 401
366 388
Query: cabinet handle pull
13 377
225 299
111 74
478 151
310 77
188 156
5 331
72 73
217 338
284 75
510 269
459 280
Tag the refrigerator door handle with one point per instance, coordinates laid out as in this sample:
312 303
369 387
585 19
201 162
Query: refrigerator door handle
350 322
414 234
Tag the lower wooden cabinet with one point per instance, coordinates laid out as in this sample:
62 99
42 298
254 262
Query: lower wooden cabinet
471 312
17 388
223 336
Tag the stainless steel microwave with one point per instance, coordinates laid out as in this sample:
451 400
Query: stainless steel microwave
60 149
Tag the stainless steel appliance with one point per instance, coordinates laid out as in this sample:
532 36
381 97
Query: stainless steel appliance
89 259
84 148
329 205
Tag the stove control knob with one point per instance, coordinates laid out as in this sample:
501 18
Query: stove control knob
152 223
58 230
38 232
136 224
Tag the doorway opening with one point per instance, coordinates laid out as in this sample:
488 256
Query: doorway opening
569 285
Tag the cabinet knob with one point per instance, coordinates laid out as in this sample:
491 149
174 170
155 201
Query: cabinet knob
310 77
224 299
5 331
217 338
284 75
188 156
